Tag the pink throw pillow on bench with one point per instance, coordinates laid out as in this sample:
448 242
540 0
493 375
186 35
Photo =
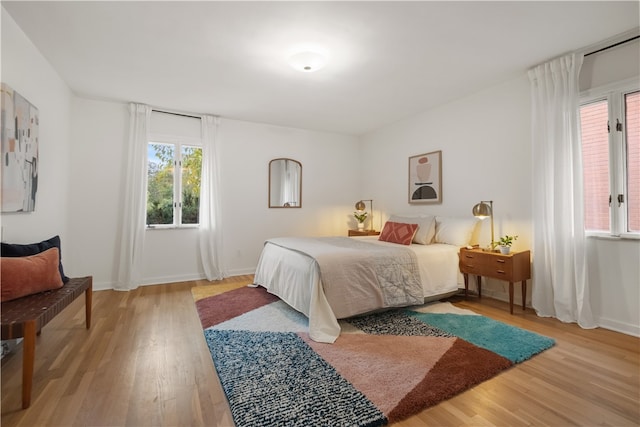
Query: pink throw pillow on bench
22 276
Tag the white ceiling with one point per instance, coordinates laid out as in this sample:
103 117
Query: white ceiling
388 60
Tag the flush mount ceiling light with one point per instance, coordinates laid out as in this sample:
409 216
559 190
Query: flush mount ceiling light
308 61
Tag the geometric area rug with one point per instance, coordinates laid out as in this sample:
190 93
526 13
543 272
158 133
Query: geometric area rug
383 367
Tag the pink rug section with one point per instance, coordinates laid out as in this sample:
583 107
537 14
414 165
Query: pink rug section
385 368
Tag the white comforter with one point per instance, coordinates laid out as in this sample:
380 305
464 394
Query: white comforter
333 278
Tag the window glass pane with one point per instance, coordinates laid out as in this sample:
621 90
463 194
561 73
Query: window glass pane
632 120
595 155
160 158
191 171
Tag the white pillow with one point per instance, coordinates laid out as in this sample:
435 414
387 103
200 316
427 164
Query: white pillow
426 227
455 231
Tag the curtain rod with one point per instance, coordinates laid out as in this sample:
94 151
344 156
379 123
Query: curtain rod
175 114
611 46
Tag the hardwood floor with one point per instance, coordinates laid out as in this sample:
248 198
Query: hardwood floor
144 362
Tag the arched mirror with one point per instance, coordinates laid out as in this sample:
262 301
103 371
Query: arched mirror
285 183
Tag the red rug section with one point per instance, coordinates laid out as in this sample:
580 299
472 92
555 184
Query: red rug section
463 366
220 308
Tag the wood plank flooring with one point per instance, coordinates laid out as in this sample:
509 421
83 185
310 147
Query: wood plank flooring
145 363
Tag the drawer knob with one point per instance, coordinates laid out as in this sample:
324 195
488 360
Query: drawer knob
500 260
501 271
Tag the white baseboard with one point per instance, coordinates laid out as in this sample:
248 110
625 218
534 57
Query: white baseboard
617 326
241 271
171 279
502 296
602 322
103 286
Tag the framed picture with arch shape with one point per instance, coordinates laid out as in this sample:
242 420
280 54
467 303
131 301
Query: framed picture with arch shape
425 178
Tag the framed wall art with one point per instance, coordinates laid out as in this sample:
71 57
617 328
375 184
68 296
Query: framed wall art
425 178
20 125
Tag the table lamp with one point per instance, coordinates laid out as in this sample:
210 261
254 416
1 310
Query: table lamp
483 210
360 206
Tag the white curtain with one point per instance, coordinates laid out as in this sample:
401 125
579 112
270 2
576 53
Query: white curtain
293 183
287 172
280 175
210 229
560 269
135 199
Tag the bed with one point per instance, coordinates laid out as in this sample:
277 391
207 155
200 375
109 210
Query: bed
331 278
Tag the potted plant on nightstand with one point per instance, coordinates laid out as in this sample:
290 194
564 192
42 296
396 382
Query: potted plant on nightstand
360 216
505 243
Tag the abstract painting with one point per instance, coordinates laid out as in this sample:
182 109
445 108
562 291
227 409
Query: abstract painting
20 134
425 178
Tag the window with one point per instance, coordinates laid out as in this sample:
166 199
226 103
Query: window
173 183
610 128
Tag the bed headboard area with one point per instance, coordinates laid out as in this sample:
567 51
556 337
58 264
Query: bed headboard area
440 229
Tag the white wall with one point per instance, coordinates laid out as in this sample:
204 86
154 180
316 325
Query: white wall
27 72
330 183
98 136
330 187
329 190
486 143
485 146
614 275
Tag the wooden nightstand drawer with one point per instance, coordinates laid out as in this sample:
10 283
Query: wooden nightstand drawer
476 262
502 267
494 266
490 264
483 269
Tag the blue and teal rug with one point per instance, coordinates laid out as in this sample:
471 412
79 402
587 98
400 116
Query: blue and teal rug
383 368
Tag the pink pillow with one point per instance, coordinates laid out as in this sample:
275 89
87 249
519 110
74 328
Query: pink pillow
398 232
21 276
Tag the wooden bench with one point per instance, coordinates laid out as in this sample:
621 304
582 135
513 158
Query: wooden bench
24 318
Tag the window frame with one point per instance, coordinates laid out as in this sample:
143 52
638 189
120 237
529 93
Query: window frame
614 94
178 142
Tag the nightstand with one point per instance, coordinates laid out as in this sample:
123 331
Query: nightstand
363 233
514 267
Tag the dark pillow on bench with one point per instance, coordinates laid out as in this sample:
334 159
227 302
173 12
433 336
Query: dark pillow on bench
16 250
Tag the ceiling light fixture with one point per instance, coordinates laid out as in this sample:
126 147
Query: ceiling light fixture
307 61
